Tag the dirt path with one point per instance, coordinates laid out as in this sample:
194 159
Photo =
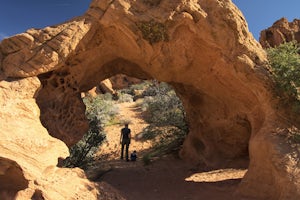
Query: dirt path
112 148
166 179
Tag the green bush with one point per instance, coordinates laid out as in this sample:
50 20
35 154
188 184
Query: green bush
99 111
100 107
150 132
125 98
285 63
164 112
157 89
164 108
166 140
141 86
82 153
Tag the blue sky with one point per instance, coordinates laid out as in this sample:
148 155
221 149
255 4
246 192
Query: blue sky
261 14
16 16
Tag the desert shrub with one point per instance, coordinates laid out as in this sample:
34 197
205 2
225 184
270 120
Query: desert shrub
150 132
157 89
153 31
285 63
82 153
165 114
100 107
164 108
123 97
141 86
106 97
99 111
125 91
150 91
166 139
135 90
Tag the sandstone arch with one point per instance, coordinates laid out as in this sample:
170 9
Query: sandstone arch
202 48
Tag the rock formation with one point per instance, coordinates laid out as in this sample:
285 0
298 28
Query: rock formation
281 31
110 85
202 48
121 81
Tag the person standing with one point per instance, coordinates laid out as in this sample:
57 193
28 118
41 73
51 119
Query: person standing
125 141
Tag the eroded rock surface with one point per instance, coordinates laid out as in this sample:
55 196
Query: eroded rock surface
202 48
281 31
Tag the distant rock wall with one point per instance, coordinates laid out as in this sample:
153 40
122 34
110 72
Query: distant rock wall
117 82
202 48
281 31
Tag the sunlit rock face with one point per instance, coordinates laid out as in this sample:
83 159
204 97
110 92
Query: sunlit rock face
202 48
281 31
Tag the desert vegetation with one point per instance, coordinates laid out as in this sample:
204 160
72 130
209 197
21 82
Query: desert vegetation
160 108
153 31
164 112
285 64
100 111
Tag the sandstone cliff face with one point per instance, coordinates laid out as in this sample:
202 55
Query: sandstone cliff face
281 31
202 48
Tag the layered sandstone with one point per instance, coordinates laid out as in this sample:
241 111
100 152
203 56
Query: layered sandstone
202 48
281 31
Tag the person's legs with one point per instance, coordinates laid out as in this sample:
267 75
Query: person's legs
126 153
122 150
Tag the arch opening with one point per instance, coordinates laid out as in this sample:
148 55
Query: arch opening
107 169
222 131
152 109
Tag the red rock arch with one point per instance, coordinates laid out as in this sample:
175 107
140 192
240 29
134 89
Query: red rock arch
202 48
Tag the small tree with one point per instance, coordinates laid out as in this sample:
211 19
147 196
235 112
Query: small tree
82 152
99 111
285 63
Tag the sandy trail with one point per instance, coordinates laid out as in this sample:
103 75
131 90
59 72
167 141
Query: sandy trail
112 148
168 178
